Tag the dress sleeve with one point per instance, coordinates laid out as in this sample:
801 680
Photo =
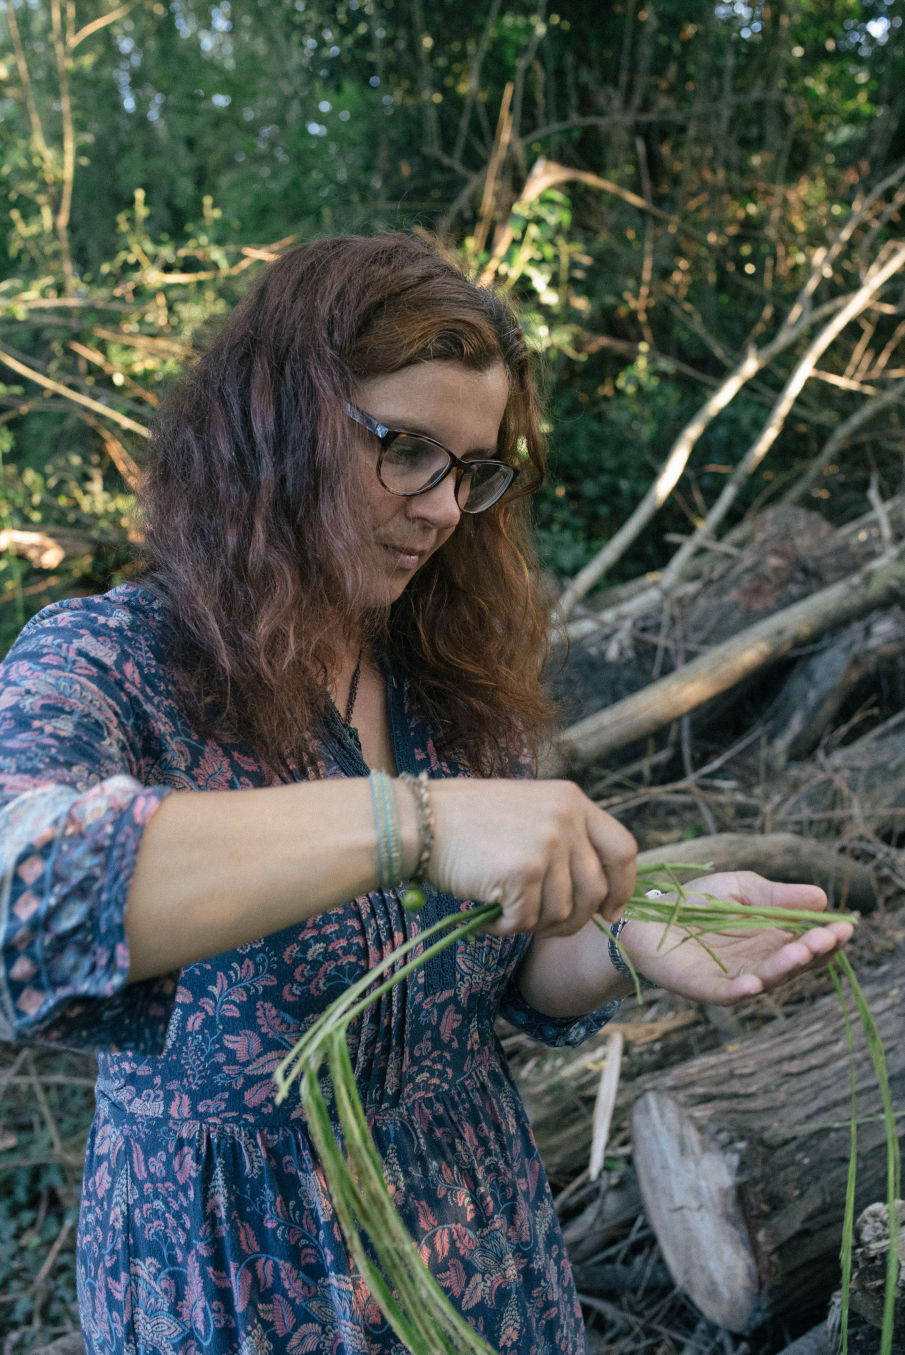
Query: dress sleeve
72 813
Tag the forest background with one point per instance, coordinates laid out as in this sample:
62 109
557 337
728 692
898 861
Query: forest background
682 196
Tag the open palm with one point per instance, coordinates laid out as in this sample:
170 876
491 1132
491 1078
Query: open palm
725 966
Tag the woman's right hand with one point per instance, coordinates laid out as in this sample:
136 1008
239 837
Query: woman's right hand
540 849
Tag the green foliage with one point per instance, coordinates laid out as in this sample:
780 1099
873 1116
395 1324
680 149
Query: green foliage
600 466
198 129
39 1190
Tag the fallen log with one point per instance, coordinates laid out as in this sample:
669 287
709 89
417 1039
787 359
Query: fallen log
725 664
779 856
742 1156
813 694
861 782
47 550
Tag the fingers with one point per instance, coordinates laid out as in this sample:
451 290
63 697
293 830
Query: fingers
807 896
812 950
542 850
755 891
572 889
808 951
617 852
572 896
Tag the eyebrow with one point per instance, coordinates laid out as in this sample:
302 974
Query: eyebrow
493 453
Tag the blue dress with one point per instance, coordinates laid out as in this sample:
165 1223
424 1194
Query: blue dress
205 1225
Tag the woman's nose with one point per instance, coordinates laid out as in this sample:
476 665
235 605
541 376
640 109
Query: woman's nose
438 506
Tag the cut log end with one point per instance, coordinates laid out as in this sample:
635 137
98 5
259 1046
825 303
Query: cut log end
690 1195
742 1156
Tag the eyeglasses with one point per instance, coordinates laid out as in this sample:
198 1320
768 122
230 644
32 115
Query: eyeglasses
410 464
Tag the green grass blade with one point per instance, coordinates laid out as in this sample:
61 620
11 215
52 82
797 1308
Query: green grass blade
422 1316
848 1218
893 1160
290 1067
393 1243
338 1181
419 1310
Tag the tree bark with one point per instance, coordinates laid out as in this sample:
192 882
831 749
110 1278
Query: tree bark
742 1156
722 666
811 698
780 856
861 782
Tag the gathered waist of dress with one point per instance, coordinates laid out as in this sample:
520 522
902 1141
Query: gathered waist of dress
150 1094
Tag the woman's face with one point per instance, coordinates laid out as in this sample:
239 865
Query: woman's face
456 406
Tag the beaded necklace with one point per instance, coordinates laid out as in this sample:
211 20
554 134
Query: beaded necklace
353 691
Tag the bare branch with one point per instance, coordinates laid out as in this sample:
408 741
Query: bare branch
843 382
841 310
95 356
498 154
121 459
101 22
45 550
49 384
34 118
61 216
548 174
642 301
524 61
875 280
429 108
842 435
665 482
151 343
474 75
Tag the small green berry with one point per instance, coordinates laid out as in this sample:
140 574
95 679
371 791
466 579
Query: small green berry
413 899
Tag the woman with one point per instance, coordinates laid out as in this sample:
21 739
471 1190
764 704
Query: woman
339 580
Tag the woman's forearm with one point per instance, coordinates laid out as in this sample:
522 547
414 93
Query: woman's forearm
571 975
221 868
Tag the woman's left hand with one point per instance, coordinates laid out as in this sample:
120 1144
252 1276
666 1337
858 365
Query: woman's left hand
752 961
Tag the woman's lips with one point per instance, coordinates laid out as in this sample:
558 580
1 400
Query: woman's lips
402 557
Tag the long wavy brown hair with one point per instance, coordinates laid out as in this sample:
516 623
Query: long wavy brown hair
253 522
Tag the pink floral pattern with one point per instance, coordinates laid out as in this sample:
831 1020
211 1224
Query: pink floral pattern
205 1227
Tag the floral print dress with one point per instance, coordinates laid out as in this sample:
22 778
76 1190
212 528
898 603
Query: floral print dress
205 1223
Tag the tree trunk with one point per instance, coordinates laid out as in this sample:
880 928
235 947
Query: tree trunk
780 856
742 1156
862 782
724 665
809 702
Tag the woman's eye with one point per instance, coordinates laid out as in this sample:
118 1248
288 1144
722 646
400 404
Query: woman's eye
408 451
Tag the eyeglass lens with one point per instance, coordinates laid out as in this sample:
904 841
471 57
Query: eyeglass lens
410 466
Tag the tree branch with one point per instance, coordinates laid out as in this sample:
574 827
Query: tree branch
474 75
801 316
49 384
101 22
841 436
61 216
875 280
723 665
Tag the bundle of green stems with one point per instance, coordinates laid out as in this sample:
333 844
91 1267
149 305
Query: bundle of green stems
408 1295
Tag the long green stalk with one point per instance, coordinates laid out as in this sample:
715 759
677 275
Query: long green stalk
411 1299
408 1295
848 1218
893 1159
